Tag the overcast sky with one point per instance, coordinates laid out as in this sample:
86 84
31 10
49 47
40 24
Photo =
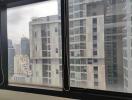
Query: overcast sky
18 18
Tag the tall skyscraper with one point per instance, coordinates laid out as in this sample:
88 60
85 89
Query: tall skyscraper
11 54
25 49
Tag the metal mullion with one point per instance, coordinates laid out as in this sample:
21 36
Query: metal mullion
3 47
65 45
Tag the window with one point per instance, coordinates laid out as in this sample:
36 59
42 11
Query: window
55 29
94 37
94 20
94 29
83 69
73 75
95 76
89 61
83 76
100 47
34 28
56 50
95 60
95 68
95 53
105 49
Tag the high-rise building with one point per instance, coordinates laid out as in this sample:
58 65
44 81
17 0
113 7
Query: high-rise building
86 47
100 45
114 26
45 50
87 54
17 49
127 47
11 54
25 49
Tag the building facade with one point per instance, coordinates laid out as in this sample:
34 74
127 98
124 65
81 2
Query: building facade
22 71
86 48
127 47
45 51
114 26
87 44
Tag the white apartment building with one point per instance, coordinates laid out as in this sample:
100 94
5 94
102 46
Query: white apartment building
86 49
45 51
87 44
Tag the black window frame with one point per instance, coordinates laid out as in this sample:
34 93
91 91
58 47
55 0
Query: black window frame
67 91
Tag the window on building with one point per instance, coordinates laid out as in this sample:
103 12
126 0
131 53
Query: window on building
95 68
94 20
56 50
94 52
95 76
95 60
56 29
83 76
94 29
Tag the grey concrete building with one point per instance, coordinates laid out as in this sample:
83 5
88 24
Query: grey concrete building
11 54
25 49
114 26
127 47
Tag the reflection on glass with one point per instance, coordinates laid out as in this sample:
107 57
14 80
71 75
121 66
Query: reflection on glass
34 45
101 44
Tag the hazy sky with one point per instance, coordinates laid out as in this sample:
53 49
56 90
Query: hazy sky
18 18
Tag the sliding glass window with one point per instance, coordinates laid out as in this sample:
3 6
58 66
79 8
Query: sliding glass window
34 45
98 56
100 36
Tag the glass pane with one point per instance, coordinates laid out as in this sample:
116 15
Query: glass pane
101 44
34 45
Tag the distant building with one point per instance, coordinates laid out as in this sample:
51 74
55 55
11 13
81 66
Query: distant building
11 54
21 65
17 49
22 70
25 49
